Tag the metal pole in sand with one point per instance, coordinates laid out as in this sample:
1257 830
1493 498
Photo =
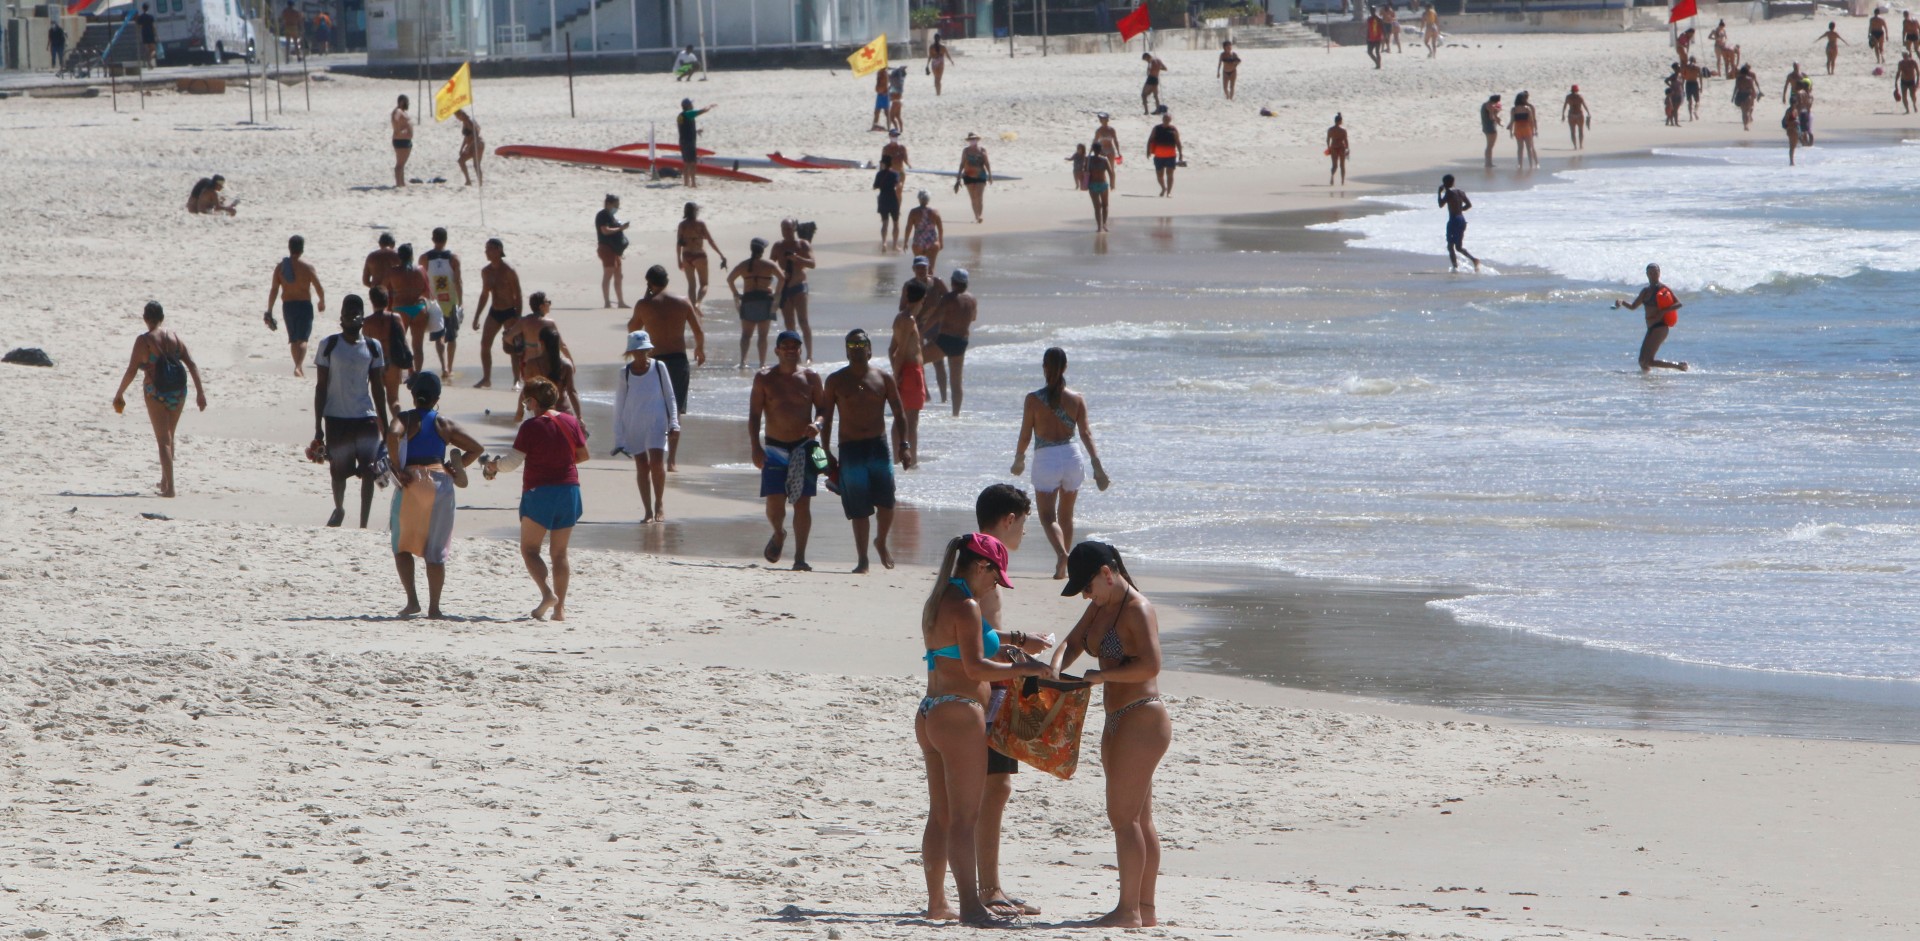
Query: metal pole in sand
249 61
570 110
653 158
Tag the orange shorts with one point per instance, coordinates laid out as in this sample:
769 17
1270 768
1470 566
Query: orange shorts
913 387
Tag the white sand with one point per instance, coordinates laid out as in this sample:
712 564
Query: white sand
209 732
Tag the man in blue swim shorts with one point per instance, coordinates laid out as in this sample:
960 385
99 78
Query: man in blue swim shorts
295 284
1457 204
786 396
861 395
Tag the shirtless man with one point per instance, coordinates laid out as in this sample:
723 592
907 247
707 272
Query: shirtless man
500 304
1660 306
904 354
1229 68
1108 140
1803 110
446 287
406 287
880 100
861 396
402 141
1490 125
927 318
1905 76
1163 145
755 301
690 253
294 283
1833 38
379 261
667 319
1152 87
1690 76
1877 35
788 396
953 331
1793 83
794 255
1457 204
1575 112
1337 149
1909 32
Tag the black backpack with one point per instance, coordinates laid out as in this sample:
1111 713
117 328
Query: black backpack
169 373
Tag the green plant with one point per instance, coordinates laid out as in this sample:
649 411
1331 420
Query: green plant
925 17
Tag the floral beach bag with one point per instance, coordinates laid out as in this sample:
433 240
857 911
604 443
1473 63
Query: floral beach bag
1040 724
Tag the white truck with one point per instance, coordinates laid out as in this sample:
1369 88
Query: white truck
201 32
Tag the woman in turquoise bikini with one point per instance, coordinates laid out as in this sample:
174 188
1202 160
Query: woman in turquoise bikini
951 723
1099 184
161 357
1120 628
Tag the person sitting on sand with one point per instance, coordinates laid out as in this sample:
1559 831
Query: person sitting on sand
690 253
205 199
644 419
1152 87
1121 629
472 147
1337 149
861 395
1050 419
349 409
787 395
161 358
1456 202
294 284
552 445
1661 310
423 504
402 140
684 65
1575 112
500 302
964 655
754 283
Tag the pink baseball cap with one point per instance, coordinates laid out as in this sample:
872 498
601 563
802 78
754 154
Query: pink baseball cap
993 550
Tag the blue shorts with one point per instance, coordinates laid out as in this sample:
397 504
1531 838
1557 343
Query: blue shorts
554 506
299 318
866 477
780 455
880 102
1456 230
1165 163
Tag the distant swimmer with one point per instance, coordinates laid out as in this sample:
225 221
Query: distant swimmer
666 319
402 141
295 284
794 255
786 397
1877 35
1661 310
205 198
1523 125
610 244
1905 76
1337 149
645 422
975 172
862 395
1490 125
1746 92
926 231
472 147
1228 68
1833 39
373 271
500 304
753 283
349 409
938 58
690 243
1168 153
160 357
1099 184
1457 204
1575 112
1152 87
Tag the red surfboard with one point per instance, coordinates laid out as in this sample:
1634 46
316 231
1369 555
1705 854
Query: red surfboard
812 163
602 158
642 148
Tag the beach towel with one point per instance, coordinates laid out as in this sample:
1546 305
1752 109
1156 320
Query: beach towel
1041 722
422 519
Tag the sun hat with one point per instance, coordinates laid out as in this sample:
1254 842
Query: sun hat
638 340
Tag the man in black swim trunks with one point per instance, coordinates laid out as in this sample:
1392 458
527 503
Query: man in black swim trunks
402 141
500 287
955 317
1905 76
1163 145
1152 87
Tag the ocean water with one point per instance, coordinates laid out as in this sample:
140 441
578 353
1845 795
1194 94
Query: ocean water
1265 394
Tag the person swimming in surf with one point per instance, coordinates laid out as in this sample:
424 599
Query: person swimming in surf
1661 307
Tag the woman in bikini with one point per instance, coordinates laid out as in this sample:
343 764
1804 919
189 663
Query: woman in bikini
540 346
1120 629
964 654
976 171
926 232
1521 125
1229 68
690 242
159 356
938 58
1053 416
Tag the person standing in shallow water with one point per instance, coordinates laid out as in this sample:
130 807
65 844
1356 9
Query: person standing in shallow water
1457 204
1337 149
1053 416
1662 314
162 357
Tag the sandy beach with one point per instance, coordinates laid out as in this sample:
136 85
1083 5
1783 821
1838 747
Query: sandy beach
214 727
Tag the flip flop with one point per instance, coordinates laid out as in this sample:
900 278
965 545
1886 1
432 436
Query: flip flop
1014 906
774 545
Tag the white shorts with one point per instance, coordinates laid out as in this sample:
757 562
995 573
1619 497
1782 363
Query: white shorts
1057 468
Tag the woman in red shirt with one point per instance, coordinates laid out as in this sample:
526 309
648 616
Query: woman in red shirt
551 444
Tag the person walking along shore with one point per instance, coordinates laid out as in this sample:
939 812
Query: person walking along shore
161 358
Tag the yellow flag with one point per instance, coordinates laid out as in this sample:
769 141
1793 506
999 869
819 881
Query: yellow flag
457 93
871 57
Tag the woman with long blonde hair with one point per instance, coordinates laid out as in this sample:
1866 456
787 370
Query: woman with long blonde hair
951 723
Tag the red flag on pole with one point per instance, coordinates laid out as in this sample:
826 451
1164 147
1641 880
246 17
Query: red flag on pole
74 7
1684 10
1135 23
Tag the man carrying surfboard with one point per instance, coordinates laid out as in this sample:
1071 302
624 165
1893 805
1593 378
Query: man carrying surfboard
1662 314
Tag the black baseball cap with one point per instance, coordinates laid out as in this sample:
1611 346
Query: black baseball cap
1085 562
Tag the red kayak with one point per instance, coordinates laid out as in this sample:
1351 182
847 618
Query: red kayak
618 161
